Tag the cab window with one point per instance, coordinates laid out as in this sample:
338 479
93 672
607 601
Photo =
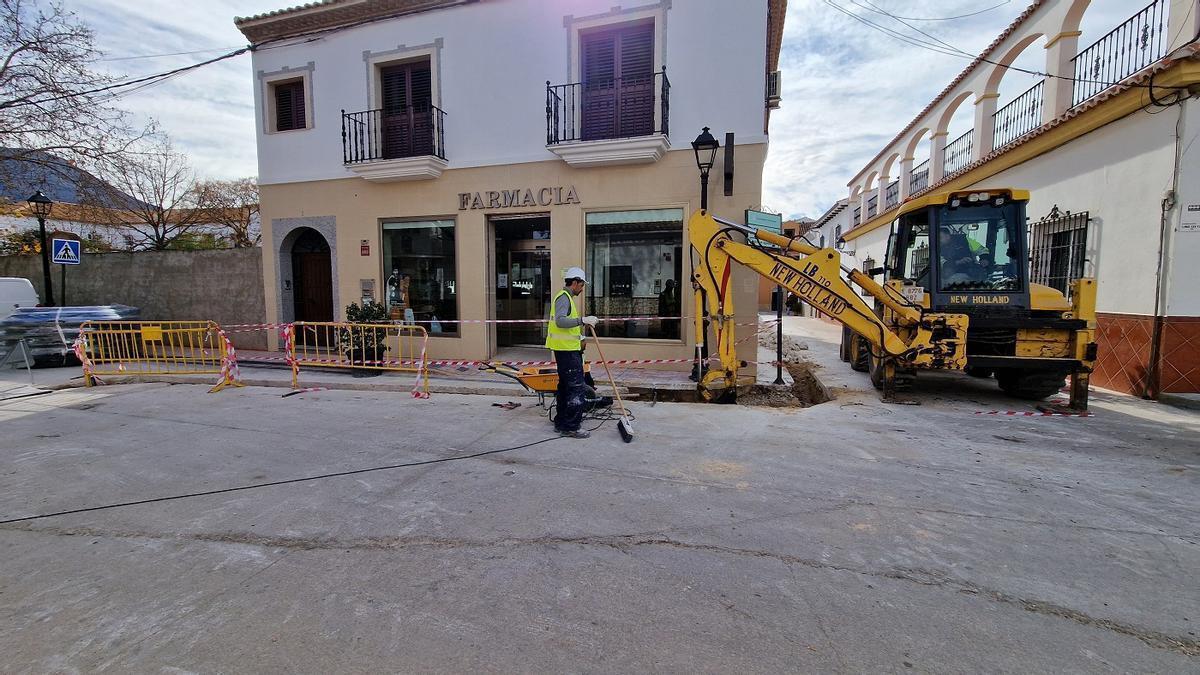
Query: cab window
910 259
977 250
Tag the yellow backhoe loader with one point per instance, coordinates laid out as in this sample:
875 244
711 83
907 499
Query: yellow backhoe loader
955 296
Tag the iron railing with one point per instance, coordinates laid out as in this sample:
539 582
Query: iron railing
1058 249
410 131
857 216
919 180
1128 48
1019 117
873 206
615 107
958 154
891 194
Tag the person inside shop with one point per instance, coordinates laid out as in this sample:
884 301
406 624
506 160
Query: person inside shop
564 336
668 305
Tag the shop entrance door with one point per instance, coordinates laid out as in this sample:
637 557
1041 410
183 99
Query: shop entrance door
523 280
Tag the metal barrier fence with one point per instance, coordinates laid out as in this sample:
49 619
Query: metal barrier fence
132 348
360 346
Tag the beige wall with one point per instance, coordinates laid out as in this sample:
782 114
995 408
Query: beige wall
360 206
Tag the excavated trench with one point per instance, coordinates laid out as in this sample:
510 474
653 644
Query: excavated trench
806 390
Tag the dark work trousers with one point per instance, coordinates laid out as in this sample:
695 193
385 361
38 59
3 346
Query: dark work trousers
570 395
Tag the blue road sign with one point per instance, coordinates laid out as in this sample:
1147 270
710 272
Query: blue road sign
66 251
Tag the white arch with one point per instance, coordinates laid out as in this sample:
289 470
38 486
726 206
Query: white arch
952 107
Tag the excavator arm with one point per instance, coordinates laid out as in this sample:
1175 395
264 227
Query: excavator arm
816 277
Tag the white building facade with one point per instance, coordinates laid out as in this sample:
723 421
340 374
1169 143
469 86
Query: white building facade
1103 146
452 158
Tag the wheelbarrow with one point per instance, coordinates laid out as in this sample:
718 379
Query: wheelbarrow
539 380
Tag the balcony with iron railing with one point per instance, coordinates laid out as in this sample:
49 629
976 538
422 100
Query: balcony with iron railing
872 206
615 120
1125 50
891 194
919 180
958 153
857 216
386 144
1021 116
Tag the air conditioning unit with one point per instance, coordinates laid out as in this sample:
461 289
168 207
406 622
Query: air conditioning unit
774 89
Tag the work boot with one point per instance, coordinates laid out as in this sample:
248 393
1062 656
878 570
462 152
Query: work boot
578 433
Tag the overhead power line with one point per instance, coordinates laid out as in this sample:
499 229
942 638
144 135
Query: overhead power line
15 103
952 18
942 47
156 56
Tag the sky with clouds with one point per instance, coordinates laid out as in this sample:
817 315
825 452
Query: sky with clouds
847 88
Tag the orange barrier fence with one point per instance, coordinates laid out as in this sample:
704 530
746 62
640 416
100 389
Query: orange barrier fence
132 348
360 346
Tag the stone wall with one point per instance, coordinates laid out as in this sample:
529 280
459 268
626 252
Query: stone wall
225 286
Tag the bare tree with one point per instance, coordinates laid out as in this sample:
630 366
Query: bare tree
148 196
233 205
49 109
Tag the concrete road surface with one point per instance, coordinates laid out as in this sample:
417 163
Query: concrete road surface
848 537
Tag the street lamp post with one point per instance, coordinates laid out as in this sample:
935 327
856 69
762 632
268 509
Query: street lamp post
40 204
705 147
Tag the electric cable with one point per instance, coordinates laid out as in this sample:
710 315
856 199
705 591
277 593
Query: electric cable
14 103
255 486
951 50
155 56
959 16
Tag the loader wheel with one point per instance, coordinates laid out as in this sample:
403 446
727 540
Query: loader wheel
859 348
844 347
904 377
979 371
1030 385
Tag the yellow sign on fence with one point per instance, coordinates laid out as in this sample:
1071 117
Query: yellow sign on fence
132 348
370 346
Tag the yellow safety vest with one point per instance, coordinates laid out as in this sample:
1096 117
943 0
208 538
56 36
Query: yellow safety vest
563 339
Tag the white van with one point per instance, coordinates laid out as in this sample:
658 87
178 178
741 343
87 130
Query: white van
16 292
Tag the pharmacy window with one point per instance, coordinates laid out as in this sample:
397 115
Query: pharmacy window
419 273
635 265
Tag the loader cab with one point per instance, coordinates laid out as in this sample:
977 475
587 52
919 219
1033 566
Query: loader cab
966 250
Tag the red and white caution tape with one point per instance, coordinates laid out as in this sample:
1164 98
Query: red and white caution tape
230 373
1027 413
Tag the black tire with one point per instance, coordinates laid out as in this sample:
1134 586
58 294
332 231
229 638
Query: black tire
979 371
844 347
858 354
904 378
875 370
1030 385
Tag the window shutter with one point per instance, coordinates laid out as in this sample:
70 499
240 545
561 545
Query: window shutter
618 82
407 92
637 51
394 82
289 106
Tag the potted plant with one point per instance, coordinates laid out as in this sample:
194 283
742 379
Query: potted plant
363 345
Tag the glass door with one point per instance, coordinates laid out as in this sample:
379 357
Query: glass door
525 295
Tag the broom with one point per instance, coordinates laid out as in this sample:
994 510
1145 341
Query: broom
624 425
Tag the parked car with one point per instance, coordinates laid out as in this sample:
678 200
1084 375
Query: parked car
16 292
49 332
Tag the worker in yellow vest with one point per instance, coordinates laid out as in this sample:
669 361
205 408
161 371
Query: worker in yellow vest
564 336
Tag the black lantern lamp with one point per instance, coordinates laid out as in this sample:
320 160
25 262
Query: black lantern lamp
706 155
40 204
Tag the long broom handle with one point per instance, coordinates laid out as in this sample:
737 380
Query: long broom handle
620 403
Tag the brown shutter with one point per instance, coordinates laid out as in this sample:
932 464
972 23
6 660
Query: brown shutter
407 116
636 100
289 106
618 82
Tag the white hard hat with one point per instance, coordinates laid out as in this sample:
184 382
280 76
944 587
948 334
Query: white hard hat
576 273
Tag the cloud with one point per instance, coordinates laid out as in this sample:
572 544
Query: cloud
847 89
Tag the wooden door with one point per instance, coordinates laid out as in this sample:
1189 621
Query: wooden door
407 110
618 82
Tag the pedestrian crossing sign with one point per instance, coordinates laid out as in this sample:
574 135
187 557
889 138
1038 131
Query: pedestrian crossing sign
66 251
